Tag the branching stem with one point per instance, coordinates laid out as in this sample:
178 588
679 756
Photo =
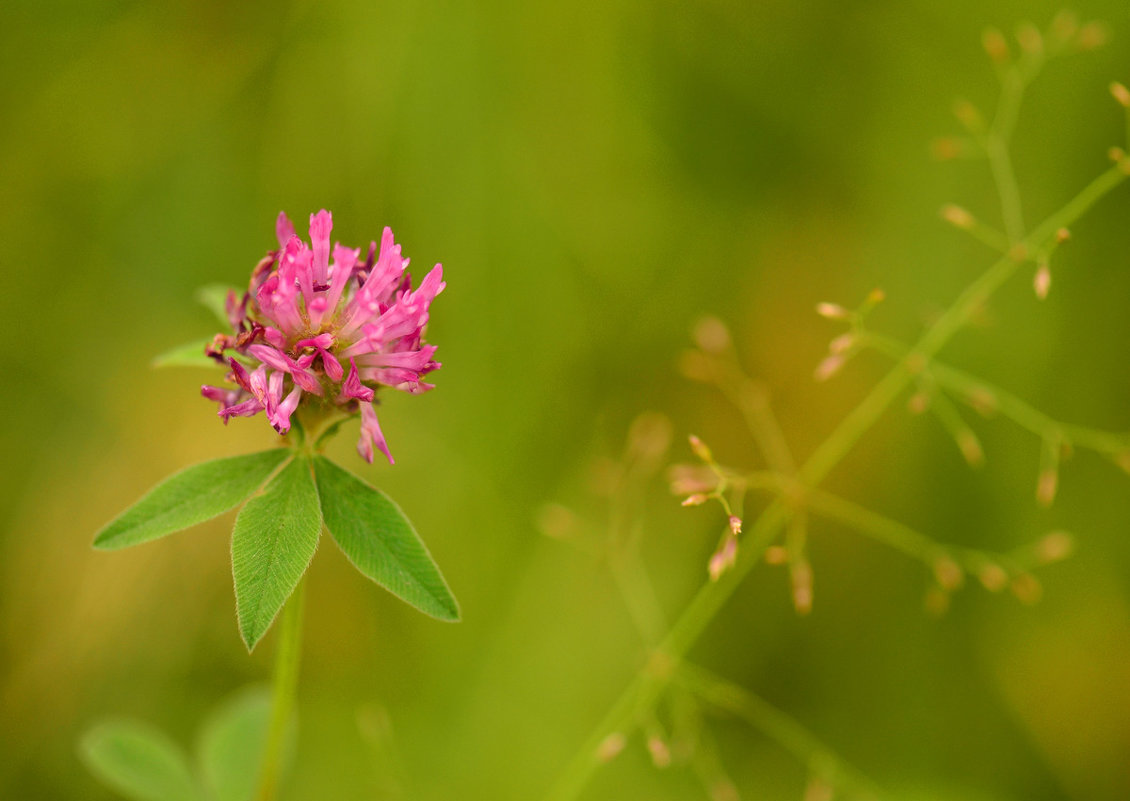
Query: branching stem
643 691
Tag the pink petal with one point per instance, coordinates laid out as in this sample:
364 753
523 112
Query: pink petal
371 435
270 356
284 228
352 386
322 341
331 365
320 226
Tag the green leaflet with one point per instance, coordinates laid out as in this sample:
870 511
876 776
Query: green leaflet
380 541
189 355
275 536
139 762
232 742
193 495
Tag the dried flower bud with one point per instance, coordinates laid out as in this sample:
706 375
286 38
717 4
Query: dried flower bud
692 479
776 555
610 746
723 559
996 46
832 311
936 601
1030 39
1092 35
1054 547
1062 235
735 525
829 367
1046 485
1042 280
1026 588
605 475
650 435
1120 93
982 400
948 573
801 576
993 577
945 148
557 521
970 447
842 343
711 335
1064 26
724 790
958 217
818 789
660 753
700 449
918 402
968 115
696 366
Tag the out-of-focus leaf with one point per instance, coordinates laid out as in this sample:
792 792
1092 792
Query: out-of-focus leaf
380 541
274 539
190 355
139 762
213 297
232 744
191 496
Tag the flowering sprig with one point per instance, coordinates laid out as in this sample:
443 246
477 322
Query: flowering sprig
300 323
311 342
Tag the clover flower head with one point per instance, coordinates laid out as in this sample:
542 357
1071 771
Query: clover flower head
311 331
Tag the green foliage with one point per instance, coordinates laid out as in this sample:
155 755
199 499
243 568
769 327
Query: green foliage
232 741
138 761
191 496
188 355
213 297
380 541
274 539
141 763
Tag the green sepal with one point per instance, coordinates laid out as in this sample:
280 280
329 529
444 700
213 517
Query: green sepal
275 536
191 496
381 542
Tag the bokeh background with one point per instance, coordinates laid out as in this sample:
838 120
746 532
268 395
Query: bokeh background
594 177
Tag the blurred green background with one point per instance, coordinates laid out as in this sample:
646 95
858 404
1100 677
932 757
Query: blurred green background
594 177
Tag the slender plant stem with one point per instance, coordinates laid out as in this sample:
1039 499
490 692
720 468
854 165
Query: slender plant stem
778 726
645 688
990 398
287 657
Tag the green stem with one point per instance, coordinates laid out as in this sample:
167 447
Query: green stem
287 658
778 726
648 684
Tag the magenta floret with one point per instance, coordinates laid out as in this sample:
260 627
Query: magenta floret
337 331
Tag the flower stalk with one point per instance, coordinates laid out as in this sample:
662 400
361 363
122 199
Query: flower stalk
287 659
